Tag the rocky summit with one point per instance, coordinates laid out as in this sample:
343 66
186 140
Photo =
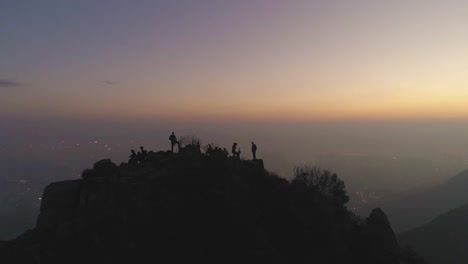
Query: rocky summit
197 208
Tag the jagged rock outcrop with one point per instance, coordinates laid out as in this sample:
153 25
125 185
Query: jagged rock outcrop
383 245
196 209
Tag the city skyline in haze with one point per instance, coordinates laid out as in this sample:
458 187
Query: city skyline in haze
242 60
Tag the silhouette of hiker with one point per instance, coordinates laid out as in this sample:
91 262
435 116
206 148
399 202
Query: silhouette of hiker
173 140
144 154
235 153
254 151
133 159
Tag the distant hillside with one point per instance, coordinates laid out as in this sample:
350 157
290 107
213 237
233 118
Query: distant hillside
414 210
444 240
197 208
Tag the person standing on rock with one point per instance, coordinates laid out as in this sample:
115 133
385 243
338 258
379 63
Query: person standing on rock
173 140
254 151
144 154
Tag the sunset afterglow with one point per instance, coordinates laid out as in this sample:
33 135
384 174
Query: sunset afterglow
278 60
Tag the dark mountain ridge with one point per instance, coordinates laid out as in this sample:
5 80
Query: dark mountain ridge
197 208
420 208
444 240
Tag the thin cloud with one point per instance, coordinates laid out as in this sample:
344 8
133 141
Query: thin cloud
108 82
6 83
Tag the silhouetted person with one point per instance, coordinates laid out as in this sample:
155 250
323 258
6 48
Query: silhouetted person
225 152
144 154
254 151
173 140
234 151
133 159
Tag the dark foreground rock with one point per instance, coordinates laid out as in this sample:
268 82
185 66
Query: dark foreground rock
196 209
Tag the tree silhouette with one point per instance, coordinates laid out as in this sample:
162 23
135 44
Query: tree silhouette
189 140
324 182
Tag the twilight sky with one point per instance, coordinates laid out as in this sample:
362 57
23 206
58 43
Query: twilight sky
256 59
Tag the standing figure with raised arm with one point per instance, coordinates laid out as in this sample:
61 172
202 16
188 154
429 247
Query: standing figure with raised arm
173 140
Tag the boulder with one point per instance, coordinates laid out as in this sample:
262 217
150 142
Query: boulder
58 208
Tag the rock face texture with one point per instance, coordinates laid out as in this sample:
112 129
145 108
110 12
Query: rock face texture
177 208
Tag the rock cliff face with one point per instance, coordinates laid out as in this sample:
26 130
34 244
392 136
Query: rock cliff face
196 209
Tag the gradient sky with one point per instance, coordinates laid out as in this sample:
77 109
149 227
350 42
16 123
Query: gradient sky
256 59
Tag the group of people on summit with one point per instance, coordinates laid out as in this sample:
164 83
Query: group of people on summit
141 156
235 152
